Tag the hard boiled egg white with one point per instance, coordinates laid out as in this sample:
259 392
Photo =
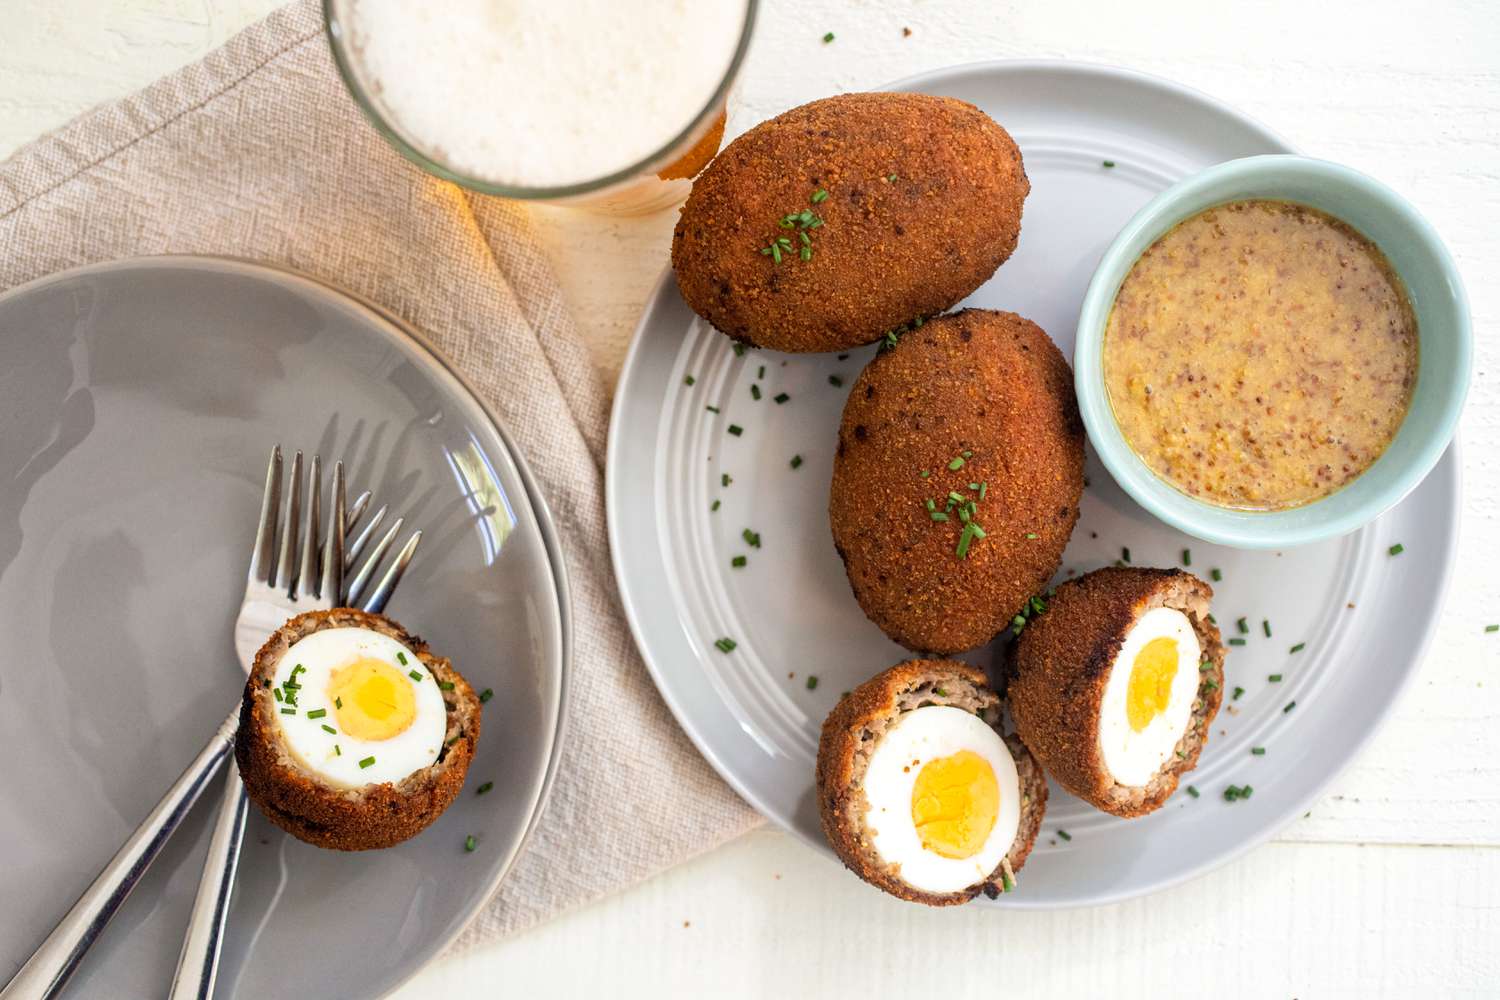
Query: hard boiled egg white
1148 699
357 707
944 798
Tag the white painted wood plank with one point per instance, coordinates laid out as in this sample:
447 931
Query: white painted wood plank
766 917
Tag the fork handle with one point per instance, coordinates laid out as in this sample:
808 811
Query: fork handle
198 964
50 966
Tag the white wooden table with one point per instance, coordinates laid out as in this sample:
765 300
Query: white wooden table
1392 885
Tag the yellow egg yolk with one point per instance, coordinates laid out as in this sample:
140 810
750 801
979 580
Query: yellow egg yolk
1151 682
372 699
954 804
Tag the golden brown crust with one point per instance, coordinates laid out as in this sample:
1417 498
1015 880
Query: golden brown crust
1062 664
850 734
349 820
888 251
995 386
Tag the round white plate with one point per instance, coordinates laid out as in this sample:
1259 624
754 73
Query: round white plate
1361 615
138 402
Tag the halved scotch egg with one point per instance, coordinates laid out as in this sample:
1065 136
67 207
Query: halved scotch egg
1114 685
920 794
352 734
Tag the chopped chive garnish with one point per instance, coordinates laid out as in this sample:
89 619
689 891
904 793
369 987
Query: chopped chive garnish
1031 534
1492 628
414 675
1212 619
688 380
725 479
1298 648
738 561
796 461
1210 683
780 398
1236 641
288 711
739 349
1243 625
1109 164
484 788
1258 751
1206 665
761 373
268 682
835 381
486 695
366 763
317 713
446 685
329 729
925 473
1289 706
956 464
1187 557
1215 575
754 391
1396 549
826 39
1125 554
453 739
1237 692
726 645
714 506
752 538
1274 678
1192 791
338 703
1064 834
736 430
470 843
1265 625
931 504
401 658
277 693
812 681
938 515
336 751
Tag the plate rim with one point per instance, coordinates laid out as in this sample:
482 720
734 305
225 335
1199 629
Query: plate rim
613 503
546 526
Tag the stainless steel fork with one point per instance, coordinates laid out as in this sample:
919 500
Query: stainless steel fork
304 576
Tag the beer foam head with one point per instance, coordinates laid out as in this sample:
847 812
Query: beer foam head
541 93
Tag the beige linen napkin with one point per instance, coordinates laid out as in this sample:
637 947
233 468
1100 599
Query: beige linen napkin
258 152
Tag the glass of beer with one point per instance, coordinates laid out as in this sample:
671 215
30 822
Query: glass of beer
611 105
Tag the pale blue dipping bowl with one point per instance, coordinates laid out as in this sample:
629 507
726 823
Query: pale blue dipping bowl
1445 345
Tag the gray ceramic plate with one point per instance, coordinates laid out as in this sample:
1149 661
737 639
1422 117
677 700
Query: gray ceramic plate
138 402
1363 616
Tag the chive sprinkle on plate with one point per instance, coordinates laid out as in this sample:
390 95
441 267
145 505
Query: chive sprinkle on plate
1396 549
796 462
780 398
736 430
826 39
1265 626
1215 575
486 695
835 381
1064 834
366 763
738 561
1298 648
484 788
725 645
1492 628
812 682
1192 791
1243 624
470 842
